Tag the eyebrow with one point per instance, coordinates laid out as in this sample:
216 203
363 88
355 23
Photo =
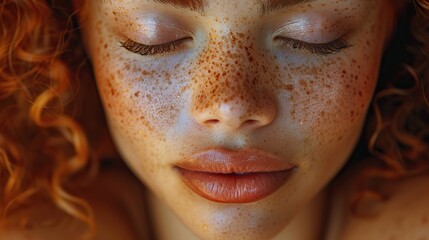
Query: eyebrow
193 5
267 6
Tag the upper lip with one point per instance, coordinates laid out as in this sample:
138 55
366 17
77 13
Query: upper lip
224 161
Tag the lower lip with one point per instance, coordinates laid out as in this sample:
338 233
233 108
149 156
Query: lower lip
234 188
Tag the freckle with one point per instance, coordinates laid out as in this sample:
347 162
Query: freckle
136 94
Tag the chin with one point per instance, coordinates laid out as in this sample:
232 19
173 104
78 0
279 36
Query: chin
238 222
263 219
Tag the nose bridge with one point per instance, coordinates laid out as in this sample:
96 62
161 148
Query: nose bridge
225 71
227 89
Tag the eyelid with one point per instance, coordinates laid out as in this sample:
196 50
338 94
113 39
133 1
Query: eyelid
162 35
154 29
152 50
312 30
322 49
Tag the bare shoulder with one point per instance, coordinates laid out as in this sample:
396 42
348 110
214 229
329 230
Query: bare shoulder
116 197
405 215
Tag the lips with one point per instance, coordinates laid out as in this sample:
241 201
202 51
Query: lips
234 176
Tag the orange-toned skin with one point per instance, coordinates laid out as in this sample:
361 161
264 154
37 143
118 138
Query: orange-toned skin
233 86
229 85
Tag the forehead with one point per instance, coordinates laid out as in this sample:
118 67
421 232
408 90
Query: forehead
264 7
200 5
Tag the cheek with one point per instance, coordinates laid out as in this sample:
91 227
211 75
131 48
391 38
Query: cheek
145 104
330 101
139 100
332 98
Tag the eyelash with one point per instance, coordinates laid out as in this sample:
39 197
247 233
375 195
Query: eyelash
322 49
145 50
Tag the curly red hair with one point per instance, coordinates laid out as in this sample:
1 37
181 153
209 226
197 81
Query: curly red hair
49 124
398 126
43 138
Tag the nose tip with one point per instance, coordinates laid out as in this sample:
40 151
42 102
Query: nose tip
238 114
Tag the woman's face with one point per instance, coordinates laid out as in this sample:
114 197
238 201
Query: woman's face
236 113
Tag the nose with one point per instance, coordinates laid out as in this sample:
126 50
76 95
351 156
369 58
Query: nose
234 109
229 90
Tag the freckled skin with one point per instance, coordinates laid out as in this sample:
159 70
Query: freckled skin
228 75
234 86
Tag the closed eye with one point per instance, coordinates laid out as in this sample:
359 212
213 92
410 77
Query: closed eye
316 48
147 50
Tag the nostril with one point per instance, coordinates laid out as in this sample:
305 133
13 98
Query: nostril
211 122
251 122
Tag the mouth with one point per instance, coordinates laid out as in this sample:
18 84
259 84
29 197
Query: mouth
227 176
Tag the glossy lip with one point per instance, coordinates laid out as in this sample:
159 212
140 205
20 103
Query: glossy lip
227 176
